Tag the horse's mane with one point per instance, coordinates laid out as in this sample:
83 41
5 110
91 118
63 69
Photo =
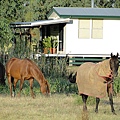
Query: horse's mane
31 62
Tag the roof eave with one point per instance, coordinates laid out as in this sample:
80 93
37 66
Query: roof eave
38 23
51 11
84 16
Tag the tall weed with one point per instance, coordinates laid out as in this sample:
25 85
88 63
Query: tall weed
117 85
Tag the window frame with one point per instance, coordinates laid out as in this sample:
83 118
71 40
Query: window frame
94 31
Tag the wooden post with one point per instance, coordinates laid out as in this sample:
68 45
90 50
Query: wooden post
70 61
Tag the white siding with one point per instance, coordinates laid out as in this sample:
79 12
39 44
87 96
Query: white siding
109 43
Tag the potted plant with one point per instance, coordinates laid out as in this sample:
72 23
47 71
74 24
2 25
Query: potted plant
47 45
54 43
50 44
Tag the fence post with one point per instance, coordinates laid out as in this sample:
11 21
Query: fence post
70 61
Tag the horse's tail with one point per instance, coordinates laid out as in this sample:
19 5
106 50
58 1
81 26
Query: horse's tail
2 74
72 77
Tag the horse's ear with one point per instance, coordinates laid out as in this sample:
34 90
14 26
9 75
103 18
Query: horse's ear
117 54
111 54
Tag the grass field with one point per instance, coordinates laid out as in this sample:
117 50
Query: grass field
56 107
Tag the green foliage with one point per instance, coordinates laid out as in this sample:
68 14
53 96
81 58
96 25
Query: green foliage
5 34
117 85
107 3
55 70
53 66
54 41
4 90
11 10
117 4
42 7
90 100
61 85
21 49
47 42
50 42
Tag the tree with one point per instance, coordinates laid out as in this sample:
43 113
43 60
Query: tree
42 7
107 3
11 11
117 4
5 33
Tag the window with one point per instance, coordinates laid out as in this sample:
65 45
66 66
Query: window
97 29
90 28
84 28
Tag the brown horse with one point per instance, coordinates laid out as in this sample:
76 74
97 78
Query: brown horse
25 69
96 79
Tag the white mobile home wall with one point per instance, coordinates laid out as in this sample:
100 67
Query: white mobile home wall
109 43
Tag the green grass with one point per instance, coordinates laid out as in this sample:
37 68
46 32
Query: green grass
56 107
64 103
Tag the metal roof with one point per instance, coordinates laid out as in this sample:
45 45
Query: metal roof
37 23
77 12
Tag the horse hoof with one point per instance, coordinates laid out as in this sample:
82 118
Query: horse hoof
104 112
114 113
33 97
96 111
13 94
84 109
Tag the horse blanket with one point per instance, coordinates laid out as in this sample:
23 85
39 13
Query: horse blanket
92 78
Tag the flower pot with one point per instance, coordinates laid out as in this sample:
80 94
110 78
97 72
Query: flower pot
47 50
54 50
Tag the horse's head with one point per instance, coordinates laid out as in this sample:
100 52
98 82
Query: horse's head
45 89
114 64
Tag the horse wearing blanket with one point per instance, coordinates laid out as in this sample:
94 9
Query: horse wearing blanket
96 80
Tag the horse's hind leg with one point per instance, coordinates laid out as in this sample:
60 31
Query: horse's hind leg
97 103
84 98
14 86
21 86
10 84
13 92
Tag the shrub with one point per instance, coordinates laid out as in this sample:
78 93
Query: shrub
4 89
61 85
117 84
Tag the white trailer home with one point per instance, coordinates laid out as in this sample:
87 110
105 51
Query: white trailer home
89 31
81 32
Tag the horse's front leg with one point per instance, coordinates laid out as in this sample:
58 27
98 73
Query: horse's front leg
97 103
111 103
110 91
84 98
31 87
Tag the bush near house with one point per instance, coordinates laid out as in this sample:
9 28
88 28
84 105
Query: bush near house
56 71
